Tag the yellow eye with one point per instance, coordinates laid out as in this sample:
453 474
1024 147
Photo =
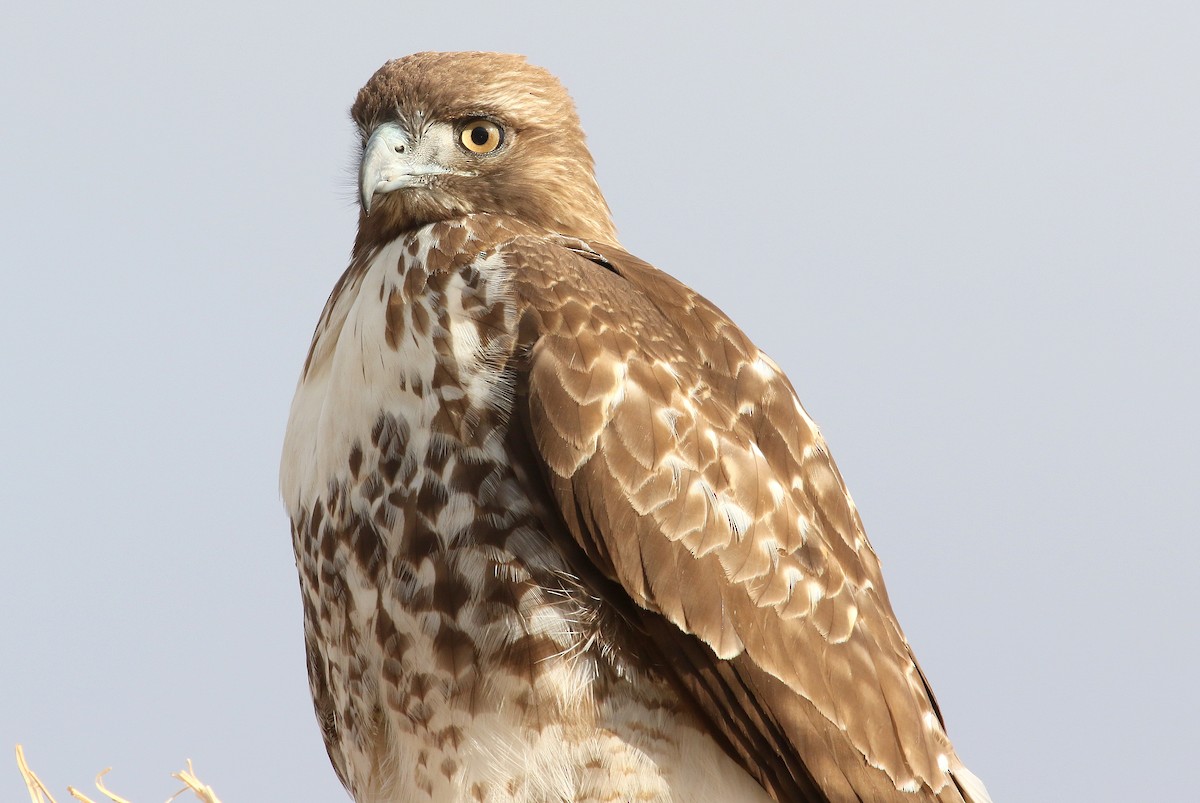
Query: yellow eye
481 136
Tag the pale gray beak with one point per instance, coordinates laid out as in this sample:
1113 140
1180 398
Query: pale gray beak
391 161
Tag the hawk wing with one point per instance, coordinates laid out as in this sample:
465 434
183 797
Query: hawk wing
686 469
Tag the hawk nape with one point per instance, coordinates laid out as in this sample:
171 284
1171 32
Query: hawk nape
563 532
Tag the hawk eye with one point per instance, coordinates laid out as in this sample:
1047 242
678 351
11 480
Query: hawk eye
480 136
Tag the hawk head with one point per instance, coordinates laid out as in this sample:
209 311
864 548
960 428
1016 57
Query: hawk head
451 134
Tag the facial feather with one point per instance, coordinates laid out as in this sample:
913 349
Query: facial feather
542 172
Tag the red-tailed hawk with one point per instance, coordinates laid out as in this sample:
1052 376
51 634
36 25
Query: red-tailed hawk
563 532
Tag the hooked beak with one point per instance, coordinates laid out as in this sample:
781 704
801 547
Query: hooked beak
390 162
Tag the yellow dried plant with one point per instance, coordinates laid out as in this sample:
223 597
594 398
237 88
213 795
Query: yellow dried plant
38 793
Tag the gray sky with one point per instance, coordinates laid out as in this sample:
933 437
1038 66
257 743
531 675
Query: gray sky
969 234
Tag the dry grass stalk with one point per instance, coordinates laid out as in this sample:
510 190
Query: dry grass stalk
38 793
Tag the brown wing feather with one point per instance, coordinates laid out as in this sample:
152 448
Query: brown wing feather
685 468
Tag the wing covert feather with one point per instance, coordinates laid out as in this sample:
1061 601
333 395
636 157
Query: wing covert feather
686 469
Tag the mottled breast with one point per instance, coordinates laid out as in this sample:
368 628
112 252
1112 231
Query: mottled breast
454 651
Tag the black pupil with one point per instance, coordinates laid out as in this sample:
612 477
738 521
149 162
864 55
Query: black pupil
480 135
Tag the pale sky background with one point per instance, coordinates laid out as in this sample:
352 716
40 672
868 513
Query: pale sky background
970 233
